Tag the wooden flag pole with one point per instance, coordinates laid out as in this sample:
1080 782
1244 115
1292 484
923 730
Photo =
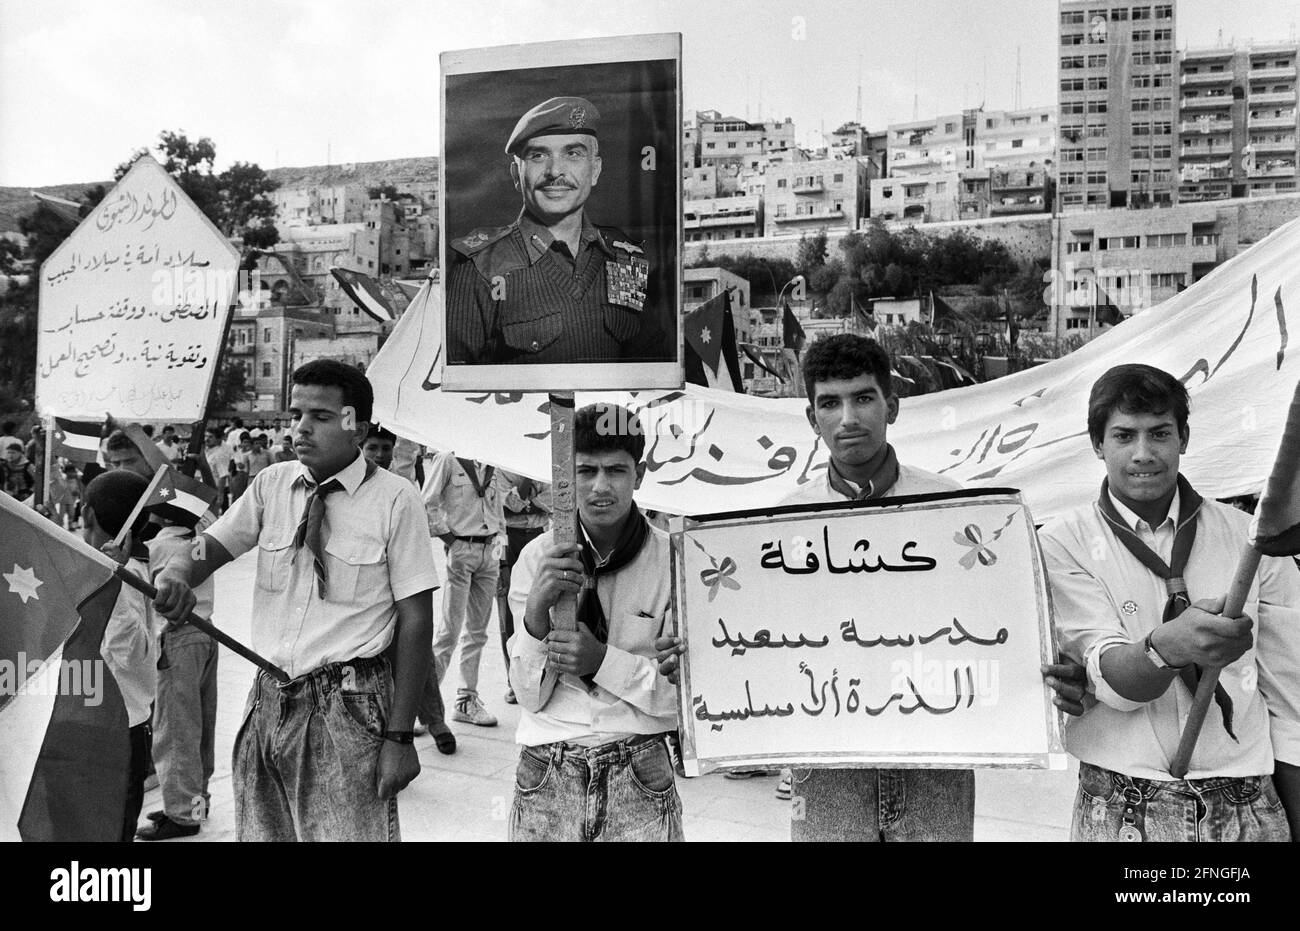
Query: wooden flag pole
139 506
1270 514
203 624
564 510
48 449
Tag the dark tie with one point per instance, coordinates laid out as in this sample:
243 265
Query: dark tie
309 528
1172 574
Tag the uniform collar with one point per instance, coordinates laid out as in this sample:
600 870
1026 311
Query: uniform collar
538 238
350 476
1131 518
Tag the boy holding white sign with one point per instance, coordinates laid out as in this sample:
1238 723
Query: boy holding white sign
1123 572
594 710
851 407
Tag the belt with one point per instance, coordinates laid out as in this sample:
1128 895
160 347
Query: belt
619 749
485 539
329 674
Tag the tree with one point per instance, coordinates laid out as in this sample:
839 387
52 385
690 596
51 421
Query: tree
812 253
18 337
231 384
235 200
386 191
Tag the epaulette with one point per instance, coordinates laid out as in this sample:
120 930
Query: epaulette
480 239
618 241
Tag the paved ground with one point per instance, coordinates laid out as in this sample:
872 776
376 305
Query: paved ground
466 797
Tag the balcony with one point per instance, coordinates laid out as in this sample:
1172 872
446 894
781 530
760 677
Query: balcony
1205 127
915 161
1271 98
1286 144
817 187
1190 175
748 218
823 215
1204 78
1273 74
1207 103
1271 122
1271 170
1204 151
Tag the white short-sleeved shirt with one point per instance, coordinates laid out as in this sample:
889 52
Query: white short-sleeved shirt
376 543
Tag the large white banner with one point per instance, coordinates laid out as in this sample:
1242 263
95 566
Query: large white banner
895 632
1226 337
132 306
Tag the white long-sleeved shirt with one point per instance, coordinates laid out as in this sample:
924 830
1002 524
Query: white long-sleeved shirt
630 697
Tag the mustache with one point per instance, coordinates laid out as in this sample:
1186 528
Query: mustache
558 182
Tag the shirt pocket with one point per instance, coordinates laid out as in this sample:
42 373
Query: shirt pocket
620 322
275 552
532 336
354 564
636 633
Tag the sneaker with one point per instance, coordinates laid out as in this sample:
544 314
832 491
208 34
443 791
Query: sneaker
470 710
745 773
510 697
784 788
166 829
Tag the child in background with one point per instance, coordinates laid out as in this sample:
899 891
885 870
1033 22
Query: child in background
127 648
185 711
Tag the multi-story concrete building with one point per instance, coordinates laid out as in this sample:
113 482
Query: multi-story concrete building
704 284
1271 126
318 203
723 218
932 197
730 140
1140 258
802 197
1117 104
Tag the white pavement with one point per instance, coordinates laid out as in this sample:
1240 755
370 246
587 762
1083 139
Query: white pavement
466 796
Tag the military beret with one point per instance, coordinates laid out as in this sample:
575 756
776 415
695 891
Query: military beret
557 116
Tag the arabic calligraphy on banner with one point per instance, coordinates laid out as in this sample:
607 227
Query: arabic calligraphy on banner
132 306
892 633
1226 337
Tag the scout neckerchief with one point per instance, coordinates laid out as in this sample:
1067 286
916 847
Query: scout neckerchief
313 516
630 540
479 486
884 478
1172 574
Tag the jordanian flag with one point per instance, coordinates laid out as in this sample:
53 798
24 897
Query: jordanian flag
76 440
365 293
64 738
170 489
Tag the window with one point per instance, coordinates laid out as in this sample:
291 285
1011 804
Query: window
1097 84
266 335
1044 118
1163 58
1165 11
1097 131
839 178
1142 80
1096 106
1141 58
949 128
1076 38
1141 129
1119 14
1075 106
1163 35
1071 177
1161 129
1096 177
1082 246
731 145
1068 63
1162 151
266 369
1096 61
1141 35
940 187
1096 153
1141 12
1072 18
1017 143
780 182
1166 240
1140 177
1141 106
1162 176
709 145
1162 104
782 209
1076 323
1072 155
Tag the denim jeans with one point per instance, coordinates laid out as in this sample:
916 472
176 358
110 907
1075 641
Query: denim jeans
185 722
620 791
306 754
1113 807
466 607
883 805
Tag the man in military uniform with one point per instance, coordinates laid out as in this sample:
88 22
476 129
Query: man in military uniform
552 287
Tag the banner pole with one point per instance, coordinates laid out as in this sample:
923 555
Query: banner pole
564 511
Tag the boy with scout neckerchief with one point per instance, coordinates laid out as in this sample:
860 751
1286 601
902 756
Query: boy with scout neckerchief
552 287
1137 580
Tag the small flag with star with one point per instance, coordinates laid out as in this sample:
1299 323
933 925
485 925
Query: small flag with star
174 491
76 440
64 736
365 293
702 328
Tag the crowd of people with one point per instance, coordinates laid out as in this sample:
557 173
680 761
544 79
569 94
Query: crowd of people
343 516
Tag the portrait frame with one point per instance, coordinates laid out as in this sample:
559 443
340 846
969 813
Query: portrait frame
634 82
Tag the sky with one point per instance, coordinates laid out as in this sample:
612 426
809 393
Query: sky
84 83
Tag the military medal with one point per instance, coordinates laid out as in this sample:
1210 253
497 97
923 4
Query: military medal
625 282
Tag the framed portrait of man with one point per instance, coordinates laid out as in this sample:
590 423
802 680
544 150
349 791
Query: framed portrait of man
561 215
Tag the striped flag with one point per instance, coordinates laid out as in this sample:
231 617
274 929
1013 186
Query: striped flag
365 293
63 724
172 490
77 440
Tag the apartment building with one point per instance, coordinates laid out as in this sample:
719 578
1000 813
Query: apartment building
1117 104
723 218
805 196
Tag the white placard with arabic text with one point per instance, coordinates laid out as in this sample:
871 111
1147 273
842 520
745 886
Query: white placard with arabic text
132 306
902 632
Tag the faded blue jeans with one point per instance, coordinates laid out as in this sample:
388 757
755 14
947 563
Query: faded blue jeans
185 722
466 607
306 754
619 791
1112 807
883 805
